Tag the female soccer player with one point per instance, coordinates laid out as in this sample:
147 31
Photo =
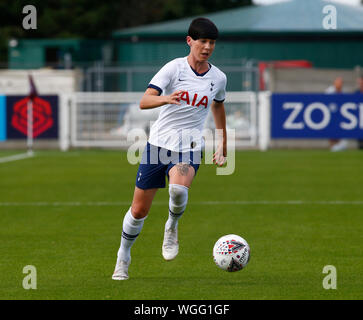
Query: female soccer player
185 89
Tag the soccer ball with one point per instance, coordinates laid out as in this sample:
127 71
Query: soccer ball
231 253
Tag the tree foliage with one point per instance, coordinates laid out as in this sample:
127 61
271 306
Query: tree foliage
95 18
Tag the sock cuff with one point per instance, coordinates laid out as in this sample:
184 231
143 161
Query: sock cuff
133 219
178 186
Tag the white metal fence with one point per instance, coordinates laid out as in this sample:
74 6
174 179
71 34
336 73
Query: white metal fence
104 119
243 75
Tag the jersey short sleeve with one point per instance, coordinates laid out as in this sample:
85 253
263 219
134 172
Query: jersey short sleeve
163 78
221 94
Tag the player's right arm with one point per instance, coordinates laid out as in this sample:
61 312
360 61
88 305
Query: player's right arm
152 99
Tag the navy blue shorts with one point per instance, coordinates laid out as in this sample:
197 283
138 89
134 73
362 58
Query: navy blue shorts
156 163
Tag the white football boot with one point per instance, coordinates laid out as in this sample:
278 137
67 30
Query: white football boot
340 146
121 270
170 247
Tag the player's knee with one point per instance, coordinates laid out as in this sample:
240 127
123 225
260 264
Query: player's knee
139 211
178 194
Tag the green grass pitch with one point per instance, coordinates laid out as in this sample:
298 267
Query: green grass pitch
62 213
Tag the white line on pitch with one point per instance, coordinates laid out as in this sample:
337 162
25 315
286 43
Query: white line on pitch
115 203
17 157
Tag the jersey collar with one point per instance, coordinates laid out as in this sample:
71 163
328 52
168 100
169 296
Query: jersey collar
197 73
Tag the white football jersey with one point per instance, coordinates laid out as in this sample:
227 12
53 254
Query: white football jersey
179 127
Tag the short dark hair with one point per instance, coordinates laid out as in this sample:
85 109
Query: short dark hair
203 28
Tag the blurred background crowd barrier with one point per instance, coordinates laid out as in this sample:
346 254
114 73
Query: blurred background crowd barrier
90 88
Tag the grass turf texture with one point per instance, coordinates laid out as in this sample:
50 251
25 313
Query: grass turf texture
74 245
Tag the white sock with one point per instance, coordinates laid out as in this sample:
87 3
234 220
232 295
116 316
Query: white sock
177 203
131 228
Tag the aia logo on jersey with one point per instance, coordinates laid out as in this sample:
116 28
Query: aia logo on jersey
42 116
196 102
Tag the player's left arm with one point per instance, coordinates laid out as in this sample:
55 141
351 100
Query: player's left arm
219 115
